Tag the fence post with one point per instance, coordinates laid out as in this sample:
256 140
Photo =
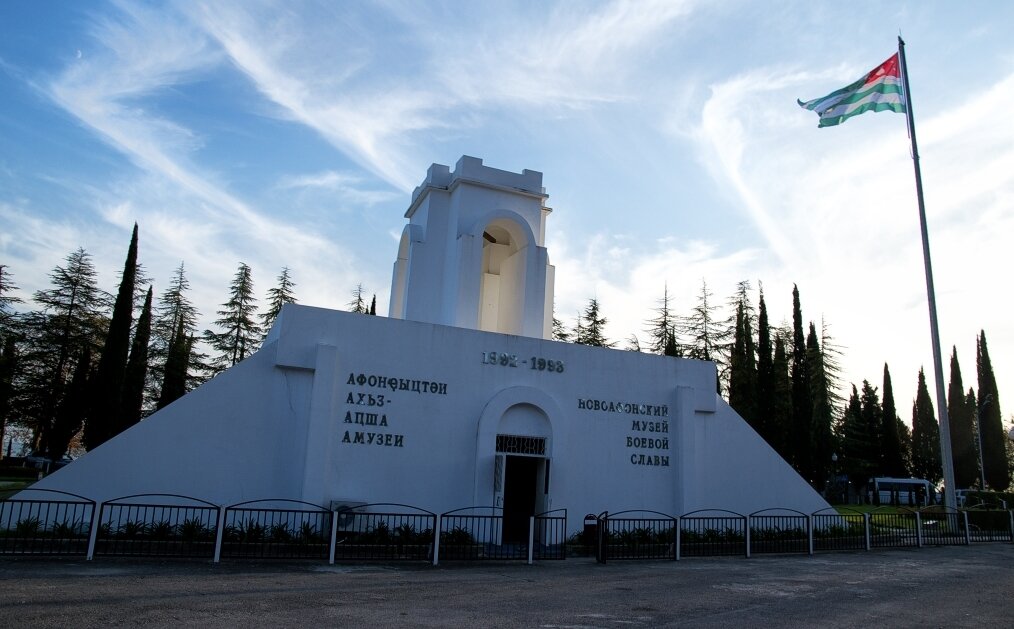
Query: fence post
531 538
866 522
1011 514
678 527
94 532
600 545
219 534
809 531
747 518
968 533
334 536
918 529
436 541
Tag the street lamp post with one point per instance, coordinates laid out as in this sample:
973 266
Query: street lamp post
986 401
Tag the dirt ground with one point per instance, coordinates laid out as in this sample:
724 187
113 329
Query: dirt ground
929 587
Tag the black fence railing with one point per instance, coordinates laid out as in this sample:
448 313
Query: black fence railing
389 532
35 524
834 531
467 533
301 532
175 526
989 523
711 532
637 534
893 528
550 535
779 531
941 526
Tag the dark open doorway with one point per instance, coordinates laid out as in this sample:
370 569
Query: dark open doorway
519 496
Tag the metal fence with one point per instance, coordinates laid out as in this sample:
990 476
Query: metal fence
175 526
990 523
834 531
38 522
300 532
384 531
893 528
468 534
940 526
44 526
779 531
709 532
637 534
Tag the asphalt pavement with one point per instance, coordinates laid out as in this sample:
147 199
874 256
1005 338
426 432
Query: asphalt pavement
928 587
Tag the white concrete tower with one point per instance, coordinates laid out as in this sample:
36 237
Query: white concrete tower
473 254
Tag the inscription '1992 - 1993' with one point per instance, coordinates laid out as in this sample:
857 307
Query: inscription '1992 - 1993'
535 363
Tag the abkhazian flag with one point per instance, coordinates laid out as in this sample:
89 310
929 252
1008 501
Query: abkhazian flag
880 90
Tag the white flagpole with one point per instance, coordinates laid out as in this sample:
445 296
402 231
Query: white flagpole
945 426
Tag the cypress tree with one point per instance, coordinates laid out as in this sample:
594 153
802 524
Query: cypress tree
972 408
743 371
802 402
107 387
132 400
765 373
962 424
891 447
994 446
925 436
873 420
70 415
820 426
373 306
780 423
174 382
8 367
856 442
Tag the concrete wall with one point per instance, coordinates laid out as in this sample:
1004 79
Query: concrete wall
342 406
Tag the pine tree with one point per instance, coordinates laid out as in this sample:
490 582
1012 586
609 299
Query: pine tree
802 402
7 301
704 335
925 436
174 309
662 329
962 425
240 333
633 343
72 318
106 387
560 332
994 451
8 367
277 297
358 303
891 445
765 373
820 426
591 327
132 399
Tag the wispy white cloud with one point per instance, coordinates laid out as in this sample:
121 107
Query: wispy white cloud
346 186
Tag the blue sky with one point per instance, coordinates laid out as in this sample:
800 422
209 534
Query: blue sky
291 134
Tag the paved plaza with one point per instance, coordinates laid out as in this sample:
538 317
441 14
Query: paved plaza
930 587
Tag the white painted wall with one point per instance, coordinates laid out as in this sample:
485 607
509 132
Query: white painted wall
273 426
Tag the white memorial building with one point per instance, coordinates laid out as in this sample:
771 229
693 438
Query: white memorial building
456 399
